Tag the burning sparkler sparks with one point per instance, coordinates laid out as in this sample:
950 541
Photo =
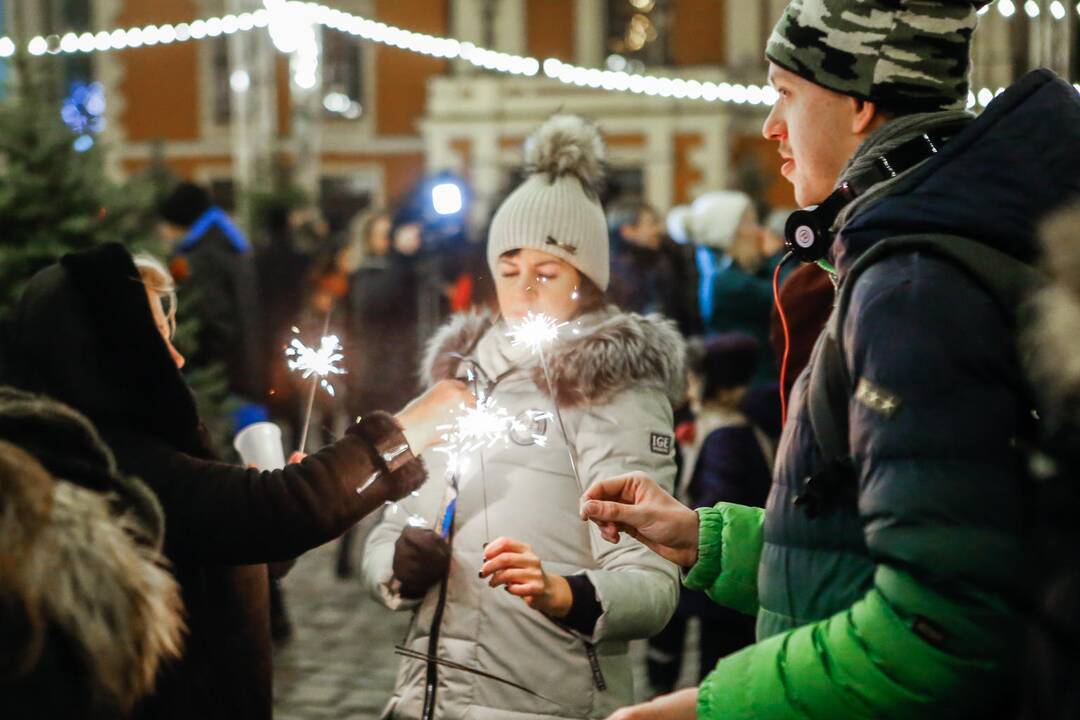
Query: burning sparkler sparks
535 331
320 362
316 364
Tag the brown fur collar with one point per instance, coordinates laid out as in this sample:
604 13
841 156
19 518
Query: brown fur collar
110 596
618 352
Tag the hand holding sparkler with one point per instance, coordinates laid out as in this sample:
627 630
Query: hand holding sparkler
421 560
424 418
514 565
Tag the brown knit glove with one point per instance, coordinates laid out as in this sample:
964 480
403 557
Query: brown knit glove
400 472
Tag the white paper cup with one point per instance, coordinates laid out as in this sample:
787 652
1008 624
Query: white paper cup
259 444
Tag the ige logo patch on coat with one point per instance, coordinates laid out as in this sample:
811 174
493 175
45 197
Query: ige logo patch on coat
661 444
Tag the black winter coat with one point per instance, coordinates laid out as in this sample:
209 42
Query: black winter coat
221 289
84 334
655 281
388 319
936 506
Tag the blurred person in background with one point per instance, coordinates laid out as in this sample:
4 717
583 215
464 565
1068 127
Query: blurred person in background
647 270
213 265
735 289
292 236
369 332
727 458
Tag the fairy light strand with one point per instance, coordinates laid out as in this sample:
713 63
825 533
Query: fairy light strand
298 17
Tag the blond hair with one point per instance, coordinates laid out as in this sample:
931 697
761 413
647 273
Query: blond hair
156 277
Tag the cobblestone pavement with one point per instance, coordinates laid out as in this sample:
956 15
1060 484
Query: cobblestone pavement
340 663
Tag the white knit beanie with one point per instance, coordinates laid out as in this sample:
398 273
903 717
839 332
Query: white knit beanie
715 217
557 209
678 224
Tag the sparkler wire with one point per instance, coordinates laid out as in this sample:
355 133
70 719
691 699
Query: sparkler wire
417 655
570 449
316 378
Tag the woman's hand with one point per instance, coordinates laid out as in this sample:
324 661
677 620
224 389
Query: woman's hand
681 705
296 457
421 419
421 560
636 505
515 566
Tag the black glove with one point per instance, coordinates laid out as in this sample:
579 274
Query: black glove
421 559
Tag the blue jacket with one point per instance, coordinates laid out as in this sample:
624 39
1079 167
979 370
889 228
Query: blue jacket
898 599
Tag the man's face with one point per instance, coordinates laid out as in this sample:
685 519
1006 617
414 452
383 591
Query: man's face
817 131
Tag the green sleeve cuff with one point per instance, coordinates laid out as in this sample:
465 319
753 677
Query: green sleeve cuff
730 538
710 550
864 662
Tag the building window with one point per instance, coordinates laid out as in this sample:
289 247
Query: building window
343 76
638 34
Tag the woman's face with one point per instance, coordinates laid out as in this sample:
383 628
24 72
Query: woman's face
164 327
534 281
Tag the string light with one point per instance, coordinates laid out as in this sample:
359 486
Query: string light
291 25
134 37
1007 9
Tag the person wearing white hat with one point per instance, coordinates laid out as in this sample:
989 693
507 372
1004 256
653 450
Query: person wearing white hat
735 292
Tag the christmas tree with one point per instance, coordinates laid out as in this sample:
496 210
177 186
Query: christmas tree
55 196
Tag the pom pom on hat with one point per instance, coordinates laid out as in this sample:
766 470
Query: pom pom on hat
567 145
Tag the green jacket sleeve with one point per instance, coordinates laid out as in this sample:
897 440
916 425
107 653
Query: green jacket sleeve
869 661
729 550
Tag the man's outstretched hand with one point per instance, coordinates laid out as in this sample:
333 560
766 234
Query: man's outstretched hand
634 504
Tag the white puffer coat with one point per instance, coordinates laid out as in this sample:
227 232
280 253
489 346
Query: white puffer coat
616 376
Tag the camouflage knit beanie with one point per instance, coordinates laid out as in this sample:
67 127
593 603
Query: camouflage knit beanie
906 55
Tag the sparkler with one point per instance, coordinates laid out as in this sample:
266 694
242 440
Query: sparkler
535 332
316 364
477 428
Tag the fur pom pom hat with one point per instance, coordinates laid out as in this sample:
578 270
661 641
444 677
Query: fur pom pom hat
557 209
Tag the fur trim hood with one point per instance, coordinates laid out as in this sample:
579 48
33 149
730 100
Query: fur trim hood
614 351
69 447
81 571
1054 336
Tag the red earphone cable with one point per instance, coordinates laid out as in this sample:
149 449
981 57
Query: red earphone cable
787 340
